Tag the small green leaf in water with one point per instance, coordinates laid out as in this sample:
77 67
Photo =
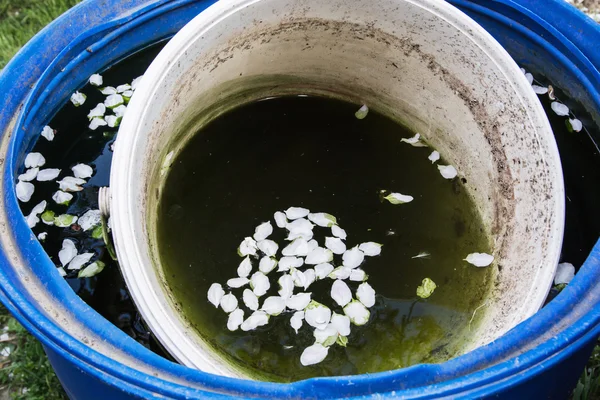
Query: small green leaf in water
65 220
97 232
426 289
48 217
362 112
342 341
91 270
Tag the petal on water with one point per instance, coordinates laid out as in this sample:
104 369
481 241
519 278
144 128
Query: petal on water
414 141
259 283
228 303
24 191
293 213
335 245
48 217
326 336
338 232
340 293
65 220
317 315
341 323
71 184
322 271
560 109
280 219
78 99
309 277
479 259
300 228
29 175
353 258
267 264
136 82
263 231
357 312
358 275
244 268
120 110
42 236
298 301
529 78
97 111
48 174
273 305
426 288
258 318
247 247
285 263
314 354
319 256
539 89
236 318
268 247
323 219
80 260
82 171
96 80
448 171
123 88
398 198
250 299
93 269
90 219
296 320
215 294
48 133
113 101
286 286
62 198
371 248
576 125
565 272
34 160
97 122
434 156
108 90
422 254
237 282
365 294
298 247
112 121
362 112
341 273
67 252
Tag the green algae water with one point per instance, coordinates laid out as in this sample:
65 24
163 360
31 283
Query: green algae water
312 152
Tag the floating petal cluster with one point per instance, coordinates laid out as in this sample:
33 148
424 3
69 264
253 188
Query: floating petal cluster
293 266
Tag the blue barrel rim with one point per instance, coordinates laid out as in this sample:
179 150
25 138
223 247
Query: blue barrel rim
52 335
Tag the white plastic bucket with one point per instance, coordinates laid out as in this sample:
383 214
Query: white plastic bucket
422 62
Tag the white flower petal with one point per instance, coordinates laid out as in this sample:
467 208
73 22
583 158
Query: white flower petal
97 122
78 99
123 88
48 174
128 94
422 254
29 174
317 315
48 133
112 121
323 270
341 323
298 247
293 213
309 277
247 247
357 312
426 288
371 249
565 272
298 276
358 275
258 318
62 198
34 160
479 259
259 283
136 82
300 228
560 109
237 282
286 286
414 141
323 219
228 303
539 89
39 208
82 171
215 294
67 252
335 245
32 218
434 156
365 294
24 191
267 264
285 263
448 171
340 273
250 299
114 100
529 78
61 271
314 354
340 293
97 111
298 301
71 184
120 111
108 90
42 236
353 258
236 318
280 219
268 247
263 231
244 268
326 336
362 112
338 232
319 256
313 244
65 220
91 270
273 305
398 198
296 320
576 125
80 260
96 80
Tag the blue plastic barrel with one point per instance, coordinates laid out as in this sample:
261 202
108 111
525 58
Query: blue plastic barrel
539 359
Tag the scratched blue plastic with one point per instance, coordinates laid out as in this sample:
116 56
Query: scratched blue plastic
541 358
